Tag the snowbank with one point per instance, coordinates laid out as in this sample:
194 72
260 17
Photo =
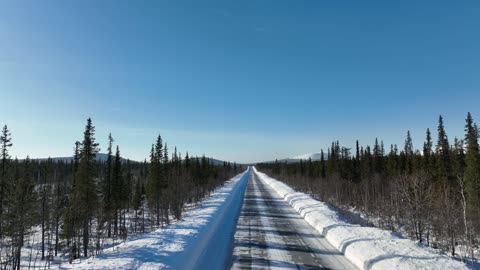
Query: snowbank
203 239
366 247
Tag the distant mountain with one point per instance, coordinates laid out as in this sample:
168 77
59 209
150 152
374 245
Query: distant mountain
313 156
100 157
214 161
103 157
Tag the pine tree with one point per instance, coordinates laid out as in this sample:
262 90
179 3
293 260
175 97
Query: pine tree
118 190
45 193
392 161
408 151
323 172
59 206
427 151
377 157
458 168
138 199
71 219
85 198
107 185
472 160
165 167
408 145
356 163
119 193
187 161
442 151
76 161
22 215
155 179
5 144
357 151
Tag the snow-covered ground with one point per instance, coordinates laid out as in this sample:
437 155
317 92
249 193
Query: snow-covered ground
31 252
367 247
202 240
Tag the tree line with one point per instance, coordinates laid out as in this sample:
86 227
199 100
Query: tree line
75 208
430 194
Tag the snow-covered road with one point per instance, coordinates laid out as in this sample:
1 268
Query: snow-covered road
257 222
272 235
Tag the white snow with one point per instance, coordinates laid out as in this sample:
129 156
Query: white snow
202 240
366 247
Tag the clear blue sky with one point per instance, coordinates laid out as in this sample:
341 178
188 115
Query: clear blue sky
237 80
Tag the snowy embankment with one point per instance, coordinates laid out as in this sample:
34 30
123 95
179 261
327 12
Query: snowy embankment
203 239
366 247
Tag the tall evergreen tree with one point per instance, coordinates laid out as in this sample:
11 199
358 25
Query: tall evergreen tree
427 151
458 167
107 185
85 198
155 179
472 161
408 145
442 151
45 196
322 164
408 151
118 189
22 214
5 144
187 161
377 157
165 167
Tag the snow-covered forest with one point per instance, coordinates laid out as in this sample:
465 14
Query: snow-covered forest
54 211
431 195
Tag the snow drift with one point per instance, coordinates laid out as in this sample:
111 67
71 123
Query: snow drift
366 247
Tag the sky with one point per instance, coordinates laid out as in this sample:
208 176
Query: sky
242 81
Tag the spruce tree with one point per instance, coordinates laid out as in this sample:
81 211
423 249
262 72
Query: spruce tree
357 151
118 190
392 161
138 199
472 162
71 219
408 151
377 157
323 172
5 144
165 167
107 185
442 151
85 198
408 145
187 161
427 151
155 179
458 168
356 163
22 214
45 193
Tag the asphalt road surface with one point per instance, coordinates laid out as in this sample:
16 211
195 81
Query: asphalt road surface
271 235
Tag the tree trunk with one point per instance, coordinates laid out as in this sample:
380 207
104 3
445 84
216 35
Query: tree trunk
57 221
85 238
